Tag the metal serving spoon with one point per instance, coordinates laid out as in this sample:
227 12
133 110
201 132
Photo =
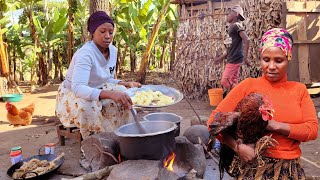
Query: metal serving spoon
140 127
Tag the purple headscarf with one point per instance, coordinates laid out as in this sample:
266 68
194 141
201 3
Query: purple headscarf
96 19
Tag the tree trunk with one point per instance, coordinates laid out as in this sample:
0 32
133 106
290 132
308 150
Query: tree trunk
70 31
173 50
146 54
42 64
56 63
14 64
50 61
99 5
162 55
133 59
3 58
152 62
122 58
60 66
84 37
21 71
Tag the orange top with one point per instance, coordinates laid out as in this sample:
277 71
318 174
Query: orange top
292 105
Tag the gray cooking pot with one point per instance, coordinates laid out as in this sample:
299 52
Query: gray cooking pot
156 144
165 116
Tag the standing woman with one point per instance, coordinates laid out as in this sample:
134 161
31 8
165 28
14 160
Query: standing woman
90 98
294 120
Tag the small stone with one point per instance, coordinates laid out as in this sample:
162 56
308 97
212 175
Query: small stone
195 131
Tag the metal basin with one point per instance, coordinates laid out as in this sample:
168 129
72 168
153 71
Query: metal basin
176 95
164 116
156 144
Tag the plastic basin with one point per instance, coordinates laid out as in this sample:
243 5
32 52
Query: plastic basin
12 97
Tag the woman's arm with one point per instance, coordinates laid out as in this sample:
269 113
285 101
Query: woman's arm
279 127
304 131
308 128
80 78
245 151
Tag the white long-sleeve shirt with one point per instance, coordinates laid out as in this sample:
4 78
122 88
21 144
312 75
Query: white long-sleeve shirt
89 70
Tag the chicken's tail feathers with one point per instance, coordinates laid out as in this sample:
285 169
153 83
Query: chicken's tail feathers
30 108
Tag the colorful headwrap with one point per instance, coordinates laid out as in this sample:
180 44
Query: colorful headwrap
96 19
278 37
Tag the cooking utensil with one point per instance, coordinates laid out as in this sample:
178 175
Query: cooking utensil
164 116
155 145
138 124
48 157
176 95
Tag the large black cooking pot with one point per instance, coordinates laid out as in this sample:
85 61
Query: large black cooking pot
156 144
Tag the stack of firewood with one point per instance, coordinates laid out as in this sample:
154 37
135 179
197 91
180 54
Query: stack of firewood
202 39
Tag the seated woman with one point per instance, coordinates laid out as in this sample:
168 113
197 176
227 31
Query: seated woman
294 119
90 98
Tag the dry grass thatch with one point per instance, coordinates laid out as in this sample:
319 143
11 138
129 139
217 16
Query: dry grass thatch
202 35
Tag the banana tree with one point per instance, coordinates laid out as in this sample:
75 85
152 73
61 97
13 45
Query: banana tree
28 8
133 19
80 23
146 54
71 11
52 33
30 62
4 63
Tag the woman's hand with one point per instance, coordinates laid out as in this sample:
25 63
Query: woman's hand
130 84
121 97
117 96
245 152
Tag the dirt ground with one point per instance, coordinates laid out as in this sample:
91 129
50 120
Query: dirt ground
43 130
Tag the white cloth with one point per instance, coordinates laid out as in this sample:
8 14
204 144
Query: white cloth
92 117
89 70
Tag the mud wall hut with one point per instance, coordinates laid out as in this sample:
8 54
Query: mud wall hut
202 35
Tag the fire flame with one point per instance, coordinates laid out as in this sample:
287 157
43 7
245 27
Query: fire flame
168 162
119 158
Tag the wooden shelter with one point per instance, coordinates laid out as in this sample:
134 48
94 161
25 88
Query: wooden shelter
202 35
302 19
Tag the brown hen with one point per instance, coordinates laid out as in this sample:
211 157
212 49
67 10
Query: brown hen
21 116
246 124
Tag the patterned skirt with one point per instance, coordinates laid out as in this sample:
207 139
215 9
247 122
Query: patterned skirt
91 117
272 169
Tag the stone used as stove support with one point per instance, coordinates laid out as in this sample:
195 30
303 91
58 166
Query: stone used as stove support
99 151
141 169
197 131
190 155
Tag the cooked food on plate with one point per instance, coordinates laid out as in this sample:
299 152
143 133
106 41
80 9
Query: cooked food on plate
149 97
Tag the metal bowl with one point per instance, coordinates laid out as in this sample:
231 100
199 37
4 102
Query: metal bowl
164 116
168 91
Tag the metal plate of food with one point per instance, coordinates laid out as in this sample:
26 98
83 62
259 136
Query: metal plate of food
154 96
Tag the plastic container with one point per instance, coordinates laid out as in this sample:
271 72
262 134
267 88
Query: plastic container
215 96
49 148
17 148
16 156
12 97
